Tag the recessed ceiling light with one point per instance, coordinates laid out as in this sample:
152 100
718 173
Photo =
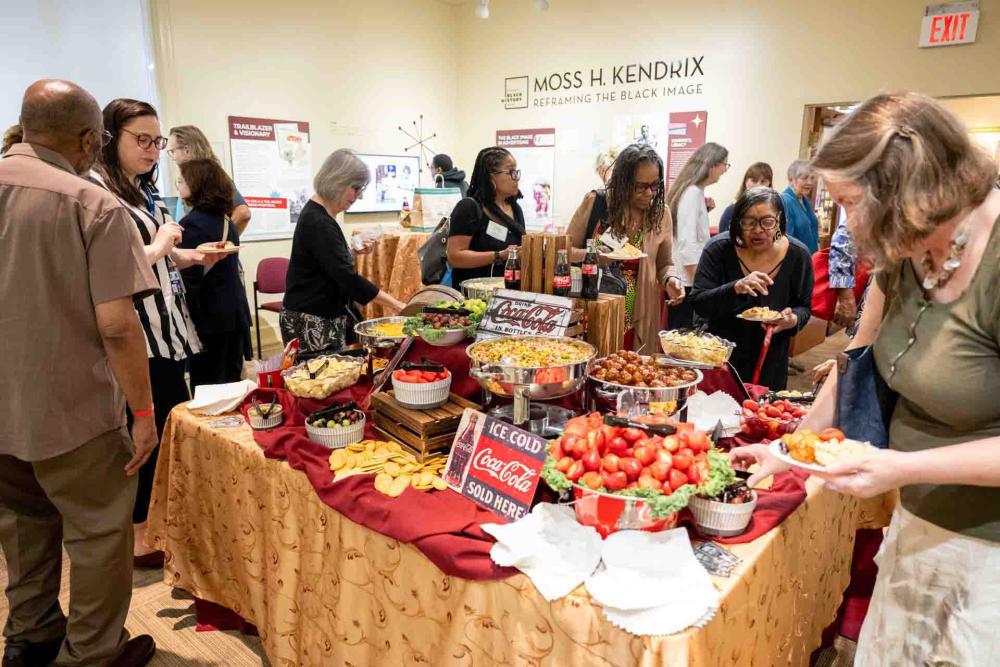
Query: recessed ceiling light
483 9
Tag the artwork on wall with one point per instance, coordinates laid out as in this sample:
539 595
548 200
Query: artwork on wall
535 152
392 180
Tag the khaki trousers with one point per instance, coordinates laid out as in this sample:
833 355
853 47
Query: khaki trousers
83 499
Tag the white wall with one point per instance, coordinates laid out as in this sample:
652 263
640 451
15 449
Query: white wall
98 44
764 61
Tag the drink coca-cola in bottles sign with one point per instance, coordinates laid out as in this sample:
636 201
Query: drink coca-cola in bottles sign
495 465
513 313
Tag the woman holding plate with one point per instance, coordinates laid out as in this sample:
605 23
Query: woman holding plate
922 202
755 265
632 209
215 298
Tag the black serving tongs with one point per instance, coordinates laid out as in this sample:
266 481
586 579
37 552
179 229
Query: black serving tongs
322 367
264 413
625 422
423 365
336 407
438 310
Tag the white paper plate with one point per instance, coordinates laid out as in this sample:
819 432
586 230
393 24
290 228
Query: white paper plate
757 319
776 450
211 249
621 257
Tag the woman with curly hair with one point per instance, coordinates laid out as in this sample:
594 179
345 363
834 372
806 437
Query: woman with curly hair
632 209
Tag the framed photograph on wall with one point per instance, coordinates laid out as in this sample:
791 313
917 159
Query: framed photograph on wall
393 178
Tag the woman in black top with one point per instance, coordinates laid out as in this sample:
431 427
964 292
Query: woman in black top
487 222
216 298
755 264
322 283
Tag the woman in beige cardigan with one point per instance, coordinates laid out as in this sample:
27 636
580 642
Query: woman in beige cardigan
633 209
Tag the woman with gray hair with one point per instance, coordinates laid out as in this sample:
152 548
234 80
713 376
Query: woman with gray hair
322 284
802 222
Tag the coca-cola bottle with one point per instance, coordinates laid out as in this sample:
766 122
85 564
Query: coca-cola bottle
589 270
460 452
512 270
562 280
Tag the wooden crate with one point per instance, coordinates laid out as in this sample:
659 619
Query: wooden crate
605 323
424 432
538 260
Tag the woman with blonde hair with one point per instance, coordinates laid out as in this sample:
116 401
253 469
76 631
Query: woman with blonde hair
187 142
689 210
922 203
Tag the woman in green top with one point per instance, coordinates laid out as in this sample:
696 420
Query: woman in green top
922 202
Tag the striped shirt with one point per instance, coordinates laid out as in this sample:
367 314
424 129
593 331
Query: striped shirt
166 323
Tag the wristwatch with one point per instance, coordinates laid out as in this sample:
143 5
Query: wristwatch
496 256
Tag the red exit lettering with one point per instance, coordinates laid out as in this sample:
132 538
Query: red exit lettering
949 28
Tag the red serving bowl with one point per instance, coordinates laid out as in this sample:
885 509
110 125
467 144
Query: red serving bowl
609 513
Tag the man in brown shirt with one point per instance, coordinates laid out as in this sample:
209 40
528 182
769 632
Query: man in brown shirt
71 263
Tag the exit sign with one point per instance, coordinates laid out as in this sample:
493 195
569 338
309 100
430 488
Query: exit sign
949 24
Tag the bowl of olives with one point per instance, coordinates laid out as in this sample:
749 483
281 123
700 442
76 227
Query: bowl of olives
336 426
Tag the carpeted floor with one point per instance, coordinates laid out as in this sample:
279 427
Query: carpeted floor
168 615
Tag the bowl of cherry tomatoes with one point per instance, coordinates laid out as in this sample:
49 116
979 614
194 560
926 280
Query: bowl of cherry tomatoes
421 389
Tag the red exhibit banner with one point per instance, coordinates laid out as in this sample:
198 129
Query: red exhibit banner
267 202
686 134
260 129
495 464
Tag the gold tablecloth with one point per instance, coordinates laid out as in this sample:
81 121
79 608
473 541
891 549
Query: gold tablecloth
251 534
393 266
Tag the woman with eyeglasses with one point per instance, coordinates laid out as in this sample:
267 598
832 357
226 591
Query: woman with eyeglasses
128 168
689 209
322 284
755 264
489 220
632 209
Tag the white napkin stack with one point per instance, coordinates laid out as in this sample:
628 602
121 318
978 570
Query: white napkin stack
705 411
651 583
214 399
549 546
647 584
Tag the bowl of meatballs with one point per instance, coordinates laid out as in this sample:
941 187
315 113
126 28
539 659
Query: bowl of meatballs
628 381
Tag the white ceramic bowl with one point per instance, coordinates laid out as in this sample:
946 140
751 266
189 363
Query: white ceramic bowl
450 337
261 424
337 437
419 396
722 519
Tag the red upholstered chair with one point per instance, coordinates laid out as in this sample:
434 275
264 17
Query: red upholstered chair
271 274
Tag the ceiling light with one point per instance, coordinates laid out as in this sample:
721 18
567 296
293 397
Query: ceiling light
541 5
483 9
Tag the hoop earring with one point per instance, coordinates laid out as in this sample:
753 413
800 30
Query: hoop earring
778 235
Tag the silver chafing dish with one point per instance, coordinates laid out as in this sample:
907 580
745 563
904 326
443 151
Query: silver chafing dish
633 400
524 385
373 340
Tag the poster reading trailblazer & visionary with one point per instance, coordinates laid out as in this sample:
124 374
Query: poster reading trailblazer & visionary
272 169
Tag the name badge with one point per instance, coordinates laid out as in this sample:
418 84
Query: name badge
176 281
497 231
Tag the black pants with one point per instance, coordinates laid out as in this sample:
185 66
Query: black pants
169 390
681 316
220 359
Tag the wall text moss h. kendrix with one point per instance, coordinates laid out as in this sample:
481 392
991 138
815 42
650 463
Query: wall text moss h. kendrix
621 74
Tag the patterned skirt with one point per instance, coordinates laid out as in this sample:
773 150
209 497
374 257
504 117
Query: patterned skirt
936 600
315 333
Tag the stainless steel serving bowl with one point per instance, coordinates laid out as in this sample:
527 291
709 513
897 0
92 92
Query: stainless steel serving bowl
481 288
373 340
609 394
539 384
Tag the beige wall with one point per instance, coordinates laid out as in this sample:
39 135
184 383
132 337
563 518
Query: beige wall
764 60
371 66
354 70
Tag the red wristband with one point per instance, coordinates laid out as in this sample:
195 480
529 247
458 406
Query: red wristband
143 413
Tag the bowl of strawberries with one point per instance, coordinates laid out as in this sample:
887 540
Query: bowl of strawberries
633 474
769 420
421 386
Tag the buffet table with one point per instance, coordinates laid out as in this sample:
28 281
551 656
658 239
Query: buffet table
393 265
251 534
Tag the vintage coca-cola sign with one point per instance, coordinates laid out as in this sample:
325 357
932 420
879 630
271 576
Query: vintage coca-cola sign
513 313
503 472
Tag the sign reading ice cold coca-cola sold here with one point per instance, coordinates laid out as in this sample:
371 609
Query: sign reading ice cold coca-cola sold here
500 464
513 313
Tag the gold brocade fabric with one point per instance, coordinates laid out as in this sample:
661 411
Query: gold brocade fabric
393 266
251 534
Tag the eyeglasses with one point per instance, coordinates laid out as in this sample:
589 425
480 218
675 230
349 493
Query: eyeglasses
359 190
725 164
171 151
767 223
146 142
515 174
652 186
103 134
